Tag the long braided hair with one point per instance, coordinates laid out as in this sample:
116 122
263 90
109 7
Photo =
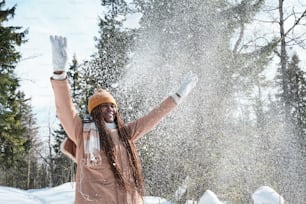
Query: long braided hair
107 145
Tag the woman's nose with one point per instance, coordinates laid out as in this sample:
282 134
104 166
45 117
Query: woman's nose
110 107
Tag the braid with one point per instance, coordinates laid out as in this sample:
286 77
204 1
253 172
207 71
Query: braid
124 135
107 144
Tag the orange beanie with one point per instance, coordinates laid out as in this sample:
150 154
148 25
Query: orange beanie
99 97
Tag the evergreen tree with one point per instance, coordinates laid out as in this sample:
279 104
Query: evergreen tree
31 146
178 36
201 38
63 167
20 173
107 65
18 131
77 79
297 96
286 133
11 99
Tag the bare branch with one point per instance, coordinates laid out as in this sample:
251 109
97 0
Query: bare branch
239 38
251 42
42 157
296 23
31 57
265 21
277 53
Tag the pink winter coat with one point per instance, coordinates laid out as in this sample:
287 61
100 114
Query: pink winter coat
96 184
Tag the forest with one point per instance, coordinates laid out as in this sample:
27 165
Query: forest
239 130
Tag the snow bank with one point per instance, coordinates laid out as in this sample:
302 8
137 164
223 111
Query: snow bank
209 198
64 194
266 195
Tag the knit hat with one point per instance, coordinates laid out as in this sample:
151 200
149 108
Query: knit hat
99 97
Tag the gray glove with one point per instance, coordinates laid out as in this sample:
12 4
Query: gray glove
188 83
59 54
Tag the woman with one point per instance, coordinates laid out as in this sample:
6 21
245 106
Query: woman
108 166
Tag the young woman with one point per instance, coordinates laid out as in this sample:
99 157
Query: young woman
108 166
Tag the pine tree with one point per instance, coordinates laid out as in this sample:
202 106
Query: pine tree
32 147
178 36
63 167
18 130
107 65
290 149
297 96
11 99
76 75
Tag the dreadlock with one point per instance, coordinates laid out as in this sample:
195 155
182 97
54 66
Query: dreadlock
108 146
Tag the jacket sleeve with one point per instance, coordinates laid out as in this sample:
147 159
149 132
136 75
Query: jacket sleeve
65 109
147 123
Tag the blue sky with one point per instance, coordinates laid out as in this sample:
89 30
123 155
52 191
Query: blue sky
75 19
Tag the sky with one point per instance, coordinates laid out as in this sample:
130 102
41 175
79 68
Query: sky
77 20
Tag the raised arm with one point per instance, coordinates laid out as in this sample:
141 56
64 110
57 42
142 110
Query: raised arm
146 123
65 108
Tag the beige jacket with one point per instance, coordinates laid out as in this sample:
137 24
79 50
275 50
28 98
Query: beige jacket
96 183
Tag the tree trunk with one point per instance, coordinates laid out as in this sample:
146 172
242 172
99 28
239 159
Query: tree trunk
50 159
283 60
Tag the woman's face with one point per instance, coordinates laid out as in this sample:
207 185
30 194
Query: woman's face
109 112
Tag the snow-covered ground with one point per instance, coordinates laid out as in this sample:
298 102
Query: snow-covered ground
64 194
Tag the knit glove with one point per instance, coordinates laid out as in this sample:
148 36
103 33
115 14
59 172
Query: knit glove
59 55
188 83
